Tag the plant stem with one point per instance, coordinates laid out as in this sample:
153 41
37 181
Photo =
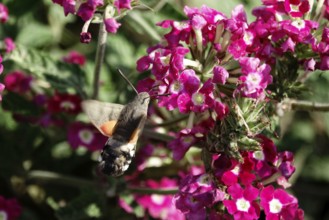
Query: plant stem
101 45
305 105
57 178
152 191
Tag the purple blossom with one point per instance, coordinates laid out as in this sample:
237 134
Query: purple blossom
255 77
120 4
196 193
220 75
160 206
187 82
18 82
69 6
1 66
85 37
297 8
3 13
9 208
86 11
9 44
111 25
184 140
197 101
2 87
180 31
75 57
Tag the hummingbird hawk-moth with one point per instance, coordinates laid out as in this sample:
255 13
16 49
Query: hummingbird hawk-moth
123 124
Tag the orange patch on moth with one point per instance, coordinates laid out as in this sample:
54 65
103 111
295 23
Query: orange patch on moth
107 128
134 137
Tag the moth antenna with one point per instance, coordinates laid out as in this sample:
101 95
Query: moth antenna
127 80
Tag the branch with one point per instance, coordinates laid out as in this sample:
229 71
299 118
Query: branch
304 105
152 191
57 178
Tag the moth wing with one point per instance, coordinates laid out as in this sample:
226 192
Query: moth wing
137 132
103 115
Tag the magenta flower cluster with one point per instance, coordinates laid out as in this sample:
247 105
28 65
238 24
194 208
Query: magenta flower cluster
86 10
204 67
241 187
7 45
9 208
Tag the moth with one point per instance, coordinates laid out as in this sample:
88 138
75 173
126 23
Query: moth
123 125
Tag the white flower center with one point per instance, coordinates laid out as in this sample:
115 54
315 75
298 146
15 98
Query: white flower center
86 136
204 180
299 24
180 25
198 98
275 206
242 205
236 170
175 87
259 155
254 78
157 199
248 37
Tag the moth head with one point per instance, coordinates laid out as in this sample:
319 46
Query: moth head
144 98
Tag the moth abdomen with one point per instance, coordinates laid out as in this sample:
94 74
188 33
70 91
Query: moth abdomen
116 157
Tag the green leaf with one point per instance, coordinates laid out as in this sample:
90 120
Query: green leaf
41 32
59 74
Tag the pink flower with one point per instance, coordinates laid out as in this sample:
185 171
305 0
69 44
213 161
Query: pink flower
85 37
68 103
160 206
2 87
220 75
9 44
255 77
184 140
278 204
198 101
1 66
3 13
297 8
122 4
86 11
111 25
80 134
75 58
18 82
242 205
195 194
9 209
